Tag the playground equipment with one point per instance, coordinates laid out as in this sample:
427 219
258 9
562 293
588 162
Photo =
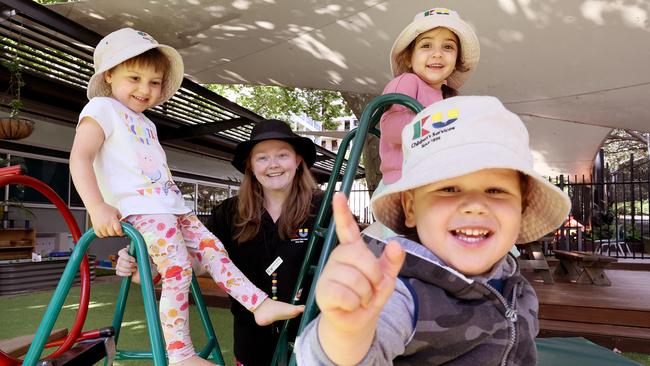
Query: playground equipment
90 347
12 175
327 235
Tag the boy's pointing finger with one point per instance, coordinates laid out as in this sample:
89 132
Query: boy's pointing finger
346 227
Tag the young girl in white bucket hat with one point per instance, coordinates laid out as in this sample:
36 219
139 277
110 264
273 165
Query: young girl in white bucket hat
468 192
431 58
121 173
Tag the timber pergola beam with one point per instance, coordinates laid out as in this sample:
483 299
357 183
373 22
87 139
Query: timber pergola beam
186 132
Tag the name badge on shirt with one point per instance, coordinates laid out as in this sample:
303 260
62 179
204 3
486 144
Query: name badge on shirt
276 263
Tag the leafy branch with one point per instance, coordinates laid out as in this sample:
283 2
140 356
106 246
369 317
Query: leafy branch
16 83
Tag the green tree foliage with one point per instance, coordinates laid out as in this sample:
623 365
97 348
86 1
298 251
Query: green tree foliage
621 143
283 102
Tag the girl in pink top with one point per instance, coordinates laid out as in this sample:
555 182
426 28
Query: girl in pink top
432 58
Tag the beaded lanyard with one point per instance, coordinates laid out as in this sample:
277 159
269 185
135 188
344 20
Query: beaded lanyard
274 286
274 275
274 296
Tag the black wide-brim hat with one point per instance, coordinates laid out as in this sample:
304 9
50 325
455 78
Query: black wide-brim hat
273 129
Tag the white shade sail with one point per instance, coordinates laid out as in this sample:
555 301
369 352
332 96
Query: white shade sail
572 69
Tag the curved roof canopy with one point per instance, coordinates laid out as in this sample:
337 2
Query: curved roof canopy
572 69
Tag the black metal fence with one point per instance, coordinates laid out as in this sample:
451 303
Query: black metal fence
609 215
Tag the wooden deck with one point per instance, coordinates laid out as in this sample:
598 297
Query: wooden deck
616 316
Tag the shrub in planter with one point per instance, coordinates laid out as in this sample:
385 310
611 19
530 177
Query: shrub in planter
15 127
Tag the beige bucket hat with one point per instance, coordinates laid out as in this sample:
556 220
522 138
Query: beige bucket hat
462 135
127 43
441 17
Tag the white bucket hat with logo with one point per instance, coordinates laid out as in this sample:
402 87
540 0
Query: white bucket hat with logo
462 135
127 43
441 17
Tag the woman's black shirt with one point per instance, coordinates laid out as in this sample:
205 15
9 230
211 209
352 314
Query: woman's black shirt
254 345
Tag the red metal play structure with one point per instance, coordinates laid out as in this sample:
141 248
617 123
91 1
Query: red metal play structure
12 175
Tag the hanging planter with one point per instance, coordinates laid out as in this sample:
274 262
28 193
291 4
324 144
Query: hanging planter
15 128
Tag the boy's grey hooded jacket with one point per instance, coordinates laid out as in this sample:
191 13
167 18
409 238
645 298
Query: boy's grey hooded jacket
439 316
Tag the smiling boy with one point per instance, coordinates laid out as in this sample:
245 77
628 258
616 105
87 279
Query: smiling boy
468 192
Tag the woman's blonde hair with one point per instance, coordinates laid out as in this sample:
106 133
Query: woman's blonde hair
250 204
403 64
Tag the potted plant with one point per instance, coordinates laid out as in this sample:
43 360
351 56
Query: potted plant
14 127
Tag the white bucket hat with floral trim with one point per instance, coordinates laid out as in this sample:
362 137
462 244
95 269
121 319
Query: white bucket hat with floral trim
127 43
441 17
462 135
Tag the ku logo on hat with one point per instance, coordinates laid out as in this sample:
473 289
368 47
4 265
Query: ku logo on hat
147 37
434 121
436 11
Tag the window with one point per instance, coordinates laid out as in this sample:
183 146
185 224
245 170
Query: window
335 144
57 176
54 174
209 196
75 198
188 190
347 125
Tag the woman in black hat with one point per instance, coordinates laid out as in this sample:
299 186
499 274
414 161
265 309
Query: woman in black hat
266 227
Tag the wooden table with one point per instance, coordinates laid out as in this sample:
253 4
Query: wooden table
532 258
583 267
566 234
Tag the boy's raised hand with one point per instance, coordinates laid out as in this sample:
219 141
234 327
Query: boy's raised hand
353 289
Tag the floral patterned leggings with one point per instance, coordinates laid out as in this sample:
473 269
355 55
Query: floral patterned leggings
171 240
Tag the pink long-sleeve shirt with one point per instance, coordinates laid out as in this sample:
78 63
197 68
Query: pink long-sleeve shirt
398 116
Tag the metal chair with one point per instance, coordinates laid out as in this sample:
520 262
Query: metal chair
619 243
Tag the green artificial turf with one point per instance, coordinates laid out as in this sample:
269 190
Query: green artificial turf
21 315
643 359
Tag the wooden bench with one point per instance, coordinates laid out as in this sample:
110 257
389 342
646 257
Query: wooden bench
532 259
583 267
16 347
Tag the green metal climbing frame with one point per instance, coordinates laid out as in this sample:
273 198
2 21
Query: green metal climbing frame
326 236
139 250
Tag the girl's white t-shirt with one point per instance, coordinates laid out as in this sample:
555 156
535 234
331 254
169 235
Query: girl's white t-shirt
131 166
